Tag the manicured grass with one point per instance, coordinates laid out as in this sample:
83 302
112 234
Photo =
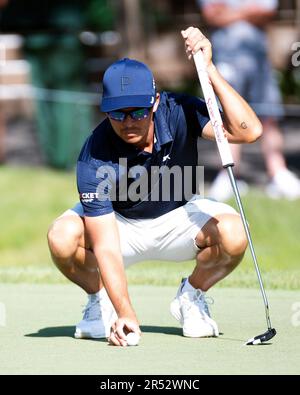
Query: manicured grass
32 198
37 335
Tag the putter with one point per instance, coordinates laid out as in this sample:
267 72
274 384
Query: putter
227 163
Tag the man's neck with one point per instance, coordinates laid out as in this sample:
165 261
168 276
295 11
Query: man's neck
147 144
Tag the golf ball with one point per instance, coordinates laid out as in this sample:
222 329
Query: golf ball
132 339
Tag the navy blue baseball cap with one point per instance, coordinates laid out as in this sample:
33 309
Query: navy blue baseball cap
127 83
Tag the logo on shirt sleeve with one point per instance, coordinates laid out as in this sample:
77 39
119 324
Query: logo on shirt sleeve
88 197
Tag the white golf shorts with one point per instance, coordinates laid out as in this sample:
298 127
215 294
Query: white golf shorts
170 237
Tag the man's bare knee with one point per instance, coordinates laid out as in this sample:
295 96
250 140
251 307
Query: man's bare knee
63 237
232 235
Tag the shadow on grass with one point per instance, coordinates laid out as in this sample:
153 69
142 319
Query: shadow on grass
68 331
242 341
167 330
58 331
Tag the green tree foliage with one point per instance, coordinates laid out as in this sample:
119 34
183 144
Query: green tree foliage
100 15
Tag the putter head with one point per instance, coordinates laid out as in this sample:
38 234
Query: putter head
271 332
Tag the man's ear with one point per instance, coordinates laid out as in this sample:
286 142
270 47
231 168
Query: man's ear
155 107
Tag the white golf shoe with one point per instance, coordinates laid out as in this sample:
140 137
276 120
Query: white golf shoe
99 315
191 310
284 184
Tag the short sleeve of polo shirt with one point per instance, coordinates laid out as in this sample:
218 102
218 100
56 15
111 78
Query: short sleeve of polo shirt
196 114
91 183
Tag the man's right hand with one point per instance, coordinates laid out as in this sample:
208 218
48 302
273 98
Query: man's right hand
105 242
121 328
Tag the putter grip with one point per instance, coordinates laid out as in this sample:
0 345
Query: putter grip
214 112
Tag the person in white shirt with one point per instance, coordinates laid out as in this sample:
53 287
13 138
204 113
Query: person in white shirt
240 53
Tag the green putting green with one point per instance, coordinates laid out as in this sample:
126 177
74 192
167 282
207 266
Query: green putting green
37 337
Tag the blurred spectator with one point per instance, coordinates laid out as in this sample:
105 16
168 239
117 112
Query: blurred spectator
240 53
2 120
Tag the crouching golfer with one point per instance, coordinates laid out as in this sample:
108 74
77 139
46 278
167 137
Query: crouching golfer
125 215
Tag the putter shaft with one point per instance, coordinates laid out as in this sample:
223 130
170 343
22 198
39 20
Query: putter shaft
246 227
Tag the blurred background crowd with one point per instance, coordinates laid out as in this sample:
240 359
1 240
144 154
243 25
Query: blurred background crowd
52 58
53 55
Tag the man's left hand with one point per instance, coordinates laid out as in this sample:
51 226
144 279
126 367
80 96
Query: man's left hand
196 41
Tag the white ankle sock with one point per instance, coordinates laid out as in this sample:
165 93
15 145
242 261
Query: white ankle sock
94 296
187 286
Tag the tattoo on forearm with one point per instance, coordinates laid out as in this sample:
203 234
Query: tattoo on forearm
244 125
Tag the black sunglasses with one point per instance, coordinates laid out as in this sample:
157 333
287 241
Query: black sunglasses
137 115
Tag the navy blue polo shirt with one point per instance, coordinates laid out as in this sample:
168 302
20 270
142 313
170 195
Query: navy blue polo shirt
113 175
